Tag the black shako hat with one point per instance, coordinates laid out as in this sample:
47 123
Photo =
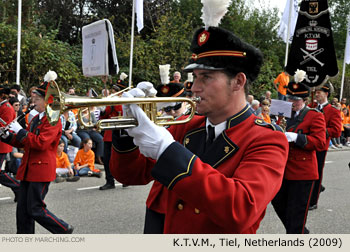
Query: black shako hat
171 90
298 90
4 90
220 49
327 87
122 84
41 90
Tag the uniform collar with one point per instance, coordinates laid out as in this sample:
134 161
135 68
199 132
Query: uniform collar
323 104
41 115
3 102
219 128
239 117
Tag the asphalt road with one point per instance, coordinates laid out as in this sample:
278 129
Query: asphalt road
121 210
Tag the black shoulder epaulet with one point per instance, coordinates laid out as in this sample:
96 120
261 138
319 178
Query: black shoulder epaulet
273 126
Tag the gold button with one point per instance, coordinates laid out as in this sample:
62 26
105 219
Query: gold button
304 158
39 162
196 210
180 207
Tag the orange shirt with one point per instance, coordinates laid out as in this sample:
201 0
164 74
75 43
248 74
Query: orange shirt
83 157
283 80
62 161
266 118
345 120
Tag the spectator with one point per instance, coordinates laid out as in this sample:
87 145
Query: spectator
282 80
16 106
336 140
256 108
15 90
71 91
250 99
64 169
346 125
14 161
92 134
268 96
177 77
265 111
343 102
84 160
69 127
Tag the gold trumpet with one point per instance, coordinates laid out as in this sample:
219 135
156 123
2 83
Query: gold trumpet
58 102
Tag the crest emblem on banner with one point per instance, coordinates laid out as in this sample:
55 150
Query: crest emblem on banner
313 7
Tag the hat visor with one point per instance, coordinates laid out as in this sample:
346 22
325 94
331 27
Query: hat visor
38 93
194 66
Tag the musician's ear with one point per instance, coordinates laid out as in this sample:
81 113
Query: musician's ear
239 81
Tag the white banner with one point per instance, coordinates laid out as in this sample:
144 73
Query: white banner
139 14
347 46
99 54
281 108
283 30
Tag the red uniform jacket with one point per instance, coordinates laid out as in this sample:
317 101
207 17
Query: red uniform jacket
110 112
8 114
40 141
333 123
302 161
224 189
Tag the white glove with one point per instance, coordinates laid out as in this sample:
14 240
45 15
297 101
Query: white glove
135 92
147 88
151 139
291 136
15 126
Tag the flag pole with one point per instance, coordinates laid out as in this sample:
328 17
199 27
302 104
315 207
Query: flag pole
288 31
132 41
344 63
19 25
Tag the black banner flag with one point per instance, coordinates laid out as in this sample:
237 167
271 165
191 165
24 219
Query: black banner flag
312 49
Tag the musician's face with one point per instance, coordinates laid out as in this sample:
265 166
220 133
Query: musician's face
297 104
321 97
216 93
39 103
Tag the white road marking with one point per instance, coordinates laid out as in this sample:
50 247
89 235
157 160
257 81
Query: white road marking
329 162
93 187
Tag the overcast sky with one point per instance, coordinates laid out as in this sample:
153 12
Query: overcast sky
280 4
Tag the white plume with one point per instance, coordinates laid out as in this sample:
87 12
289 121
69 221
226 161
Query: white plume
213 11
50 75
299 75
190 77
164 73
123 76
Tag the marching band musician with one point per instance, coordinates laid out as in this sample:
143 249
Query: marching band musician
333 130
109 112
38 167
7 114
222 168
305 132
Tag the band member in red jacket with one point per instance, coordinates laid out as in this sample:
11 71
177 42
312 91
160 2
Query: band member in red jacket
333 130
37 170
7 115
222 168
306 134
